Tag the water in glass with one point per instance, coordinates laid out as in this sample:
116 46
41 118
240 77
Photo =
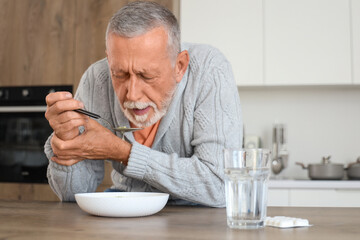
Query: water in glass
246 197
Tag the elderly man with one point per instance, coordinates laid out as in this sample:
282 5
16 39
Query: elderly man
184 98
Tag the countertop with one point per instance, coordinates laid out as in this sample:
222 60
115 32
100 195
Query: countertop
54 220
314 184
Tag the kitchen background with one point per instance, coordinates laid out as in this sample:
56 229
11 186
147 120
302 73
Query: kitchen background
295 62
51 42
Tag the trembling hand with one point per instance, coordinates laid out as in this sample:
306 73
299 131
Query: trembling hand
70 147
62 119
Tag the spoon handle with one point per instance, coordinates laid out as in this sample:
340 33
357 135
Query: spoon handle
93 115
87 113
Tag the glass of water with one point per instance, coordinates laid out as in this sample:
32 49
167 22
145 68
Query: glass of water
246 184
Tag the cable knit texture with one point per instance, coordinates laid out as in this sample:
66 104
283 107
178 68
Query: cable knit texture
186 158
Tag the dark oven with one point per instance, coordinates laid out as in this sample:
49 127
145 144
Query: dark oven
23 132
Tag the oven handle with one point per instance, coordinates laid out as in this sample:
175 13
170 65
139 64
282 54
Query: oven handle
7 109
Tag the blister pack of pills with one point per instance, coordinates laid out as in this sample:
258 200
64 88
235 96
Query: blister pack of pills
286 222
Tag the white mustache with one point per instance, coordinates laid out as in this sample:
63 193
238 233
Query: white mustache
139 105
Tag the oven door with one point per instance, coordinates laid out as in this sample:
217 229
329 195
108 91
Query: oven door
23 132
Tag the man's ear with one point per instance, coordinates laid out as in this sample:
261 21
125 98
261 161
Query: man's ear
182 62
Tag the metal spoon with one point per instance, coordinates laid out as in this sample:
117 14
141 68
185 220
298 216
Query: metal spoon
276 166
118 129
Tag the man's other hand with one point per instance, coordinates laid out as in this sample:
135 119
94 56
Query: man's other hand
96 143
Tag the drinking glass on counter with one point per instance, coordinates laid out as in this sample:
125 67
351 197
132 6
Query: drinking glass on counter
246 185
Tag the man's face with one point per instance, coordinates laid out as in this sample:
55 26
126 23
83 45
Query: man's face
142 74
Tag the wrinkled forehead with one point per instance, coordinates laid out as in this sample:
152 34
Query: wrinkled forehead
159 34
160 31
151 47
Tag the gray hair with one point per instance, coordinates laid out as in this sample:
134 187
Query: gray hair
137 18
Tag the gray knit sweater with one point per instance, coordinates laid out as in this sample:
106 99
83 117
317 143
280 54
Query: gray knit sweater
186 158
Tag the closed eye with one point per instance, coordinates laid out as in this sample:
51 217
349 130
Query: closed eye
145 77
121 77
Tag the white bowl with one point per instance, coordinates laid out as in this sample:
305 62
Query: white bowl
121 204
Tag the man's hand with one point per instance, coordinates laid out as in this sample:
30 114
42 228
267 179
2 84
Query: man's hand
62 119
97 142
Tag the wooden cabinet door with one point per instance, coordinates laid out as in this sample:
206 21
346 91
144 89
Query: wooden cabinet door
37 44
307 42
52 42
92 17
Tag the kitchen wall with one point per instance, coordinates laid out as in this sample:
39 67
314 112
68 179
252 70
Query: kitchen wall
295 62
321 121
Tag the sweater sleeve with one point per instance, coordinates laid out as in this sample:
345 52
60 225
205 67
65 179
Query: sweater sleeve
85 176
217 124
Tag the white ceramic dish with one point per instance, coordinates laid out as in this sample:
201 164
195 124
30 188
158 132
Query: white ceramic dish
121 204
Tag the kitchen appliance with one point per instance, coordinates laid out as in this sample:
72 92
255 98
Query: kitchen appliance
23 132
353 170
324 170
280 154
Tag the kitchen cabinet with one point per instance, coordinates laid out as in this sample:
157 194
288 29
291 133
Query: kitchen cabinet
314 197
280 42
296 193
41 191
26 192
233 26
355 24
52 42
35 191
325 197
307 42
36 42
278 198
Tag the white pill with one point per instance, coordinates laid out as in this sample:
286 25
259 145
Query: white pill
286 222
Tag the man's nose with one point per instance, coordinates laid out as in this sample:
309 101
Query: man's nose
133 89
